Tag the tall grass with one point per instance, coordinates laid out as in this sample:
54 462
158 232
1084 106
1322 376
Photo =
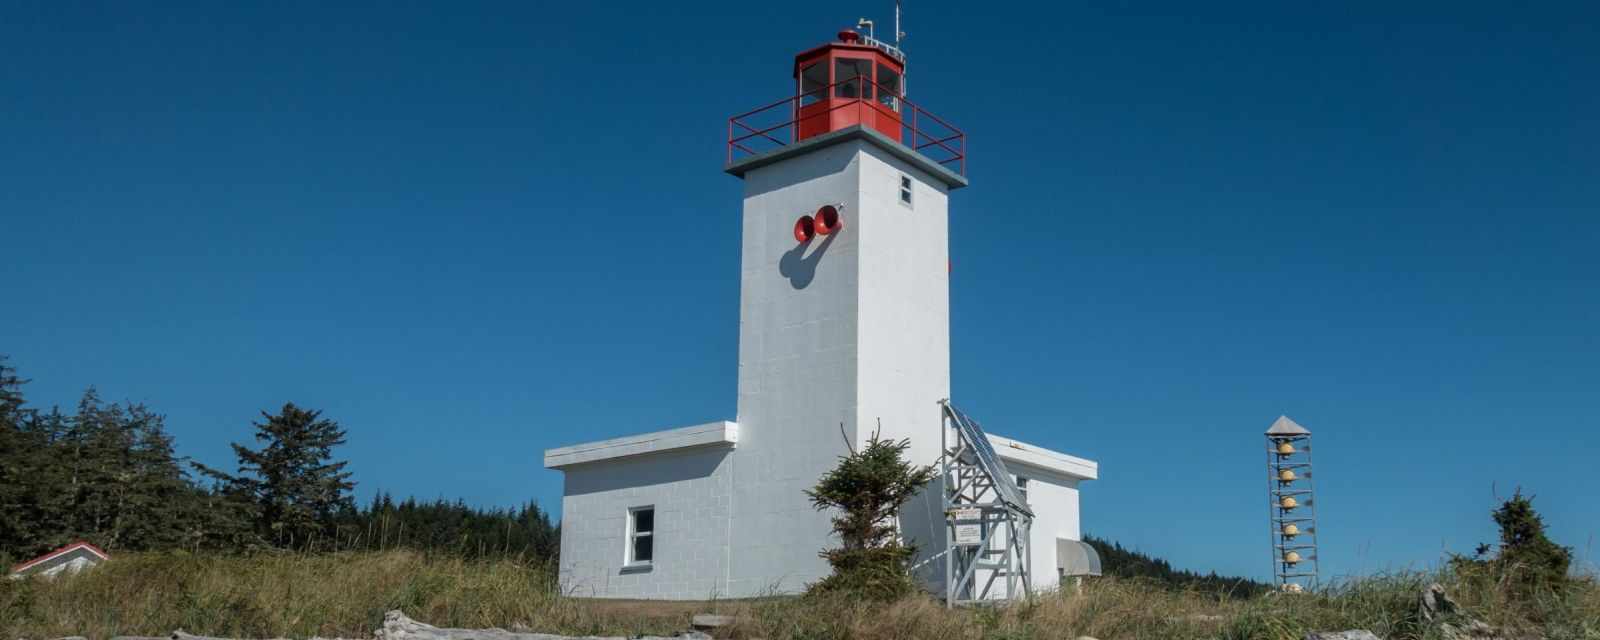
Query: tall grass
299 595
1136 609
329 595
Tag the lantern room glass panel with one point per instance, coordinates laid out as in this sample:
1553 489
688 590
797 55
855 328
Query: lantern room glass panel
813 83
853 78
889 86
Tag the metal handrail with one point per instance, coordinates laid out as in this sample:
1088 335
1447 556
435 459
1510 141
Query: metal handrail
742 131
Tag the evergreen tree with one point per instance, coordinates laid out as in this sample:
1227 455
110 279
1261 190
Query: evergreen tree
12 412
115 478
295 490
92 451
223 519
868 488
20 451
156 502
46 483
1524 546
1528 563
544 538
107 474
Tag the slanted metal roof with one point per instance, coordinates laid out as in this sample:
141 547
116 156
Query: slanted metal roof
1286 427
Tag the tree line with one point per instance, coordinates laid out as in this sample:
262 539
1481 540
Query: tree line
110 474
1119 561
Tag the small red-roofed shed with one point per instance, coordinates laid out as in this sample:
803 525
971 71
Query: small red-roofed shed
72 558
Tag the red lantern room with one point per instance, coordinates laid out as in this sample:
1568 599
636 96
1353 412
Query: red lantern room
837 78
854 86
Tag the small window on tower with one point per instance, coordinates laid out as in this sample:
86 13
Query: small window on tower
905 190
813 83
853 78
641 536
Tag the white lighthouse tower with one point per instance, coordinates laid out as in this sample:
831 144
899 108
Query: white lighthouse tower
844 329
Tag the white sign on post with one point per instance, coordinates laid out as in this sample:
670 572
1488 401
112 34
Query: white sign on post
967 513
969 534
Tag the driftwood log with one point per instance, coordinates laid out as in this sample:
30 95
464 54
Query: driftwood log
184 635
396 626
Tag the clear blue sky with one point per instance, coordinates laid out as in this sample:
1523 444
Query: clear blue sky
469 232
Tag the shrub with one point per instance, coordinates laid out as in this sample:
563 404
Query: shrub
868 488
1528 565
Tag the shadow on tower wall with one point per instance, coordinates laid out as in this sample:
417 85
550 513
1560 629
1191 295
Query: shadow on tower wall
801 268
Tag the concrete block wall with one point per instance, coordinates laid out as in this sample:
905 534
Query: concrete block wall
797 365
836 336
691 491
903 331
1054 500
904 327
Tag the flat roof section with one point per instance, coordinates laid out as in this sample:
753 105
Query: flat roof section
1024 453
721 432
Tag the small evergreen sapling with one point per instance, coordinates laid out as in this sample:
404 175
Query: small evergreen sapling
1526 554
1528 562
867 489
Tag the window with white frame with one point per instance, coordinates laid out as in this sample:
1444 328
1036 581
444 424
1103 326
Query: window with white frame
905 190
1022 487
641 535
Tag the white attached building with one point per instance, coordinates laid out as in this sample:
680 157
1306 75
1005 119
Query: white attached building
844 325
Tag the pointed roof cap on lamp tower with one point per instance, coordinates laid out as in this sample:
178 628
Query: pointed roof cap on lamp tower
1286 427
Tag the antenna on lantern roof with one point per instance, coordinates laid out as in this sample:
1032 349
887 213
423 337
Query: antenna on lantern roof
871 38
898 36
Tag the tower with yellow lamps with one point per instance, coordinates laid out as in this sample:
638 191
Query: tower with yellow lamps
1291 506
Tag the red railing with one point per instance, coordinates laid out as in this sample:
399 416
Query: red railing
779 124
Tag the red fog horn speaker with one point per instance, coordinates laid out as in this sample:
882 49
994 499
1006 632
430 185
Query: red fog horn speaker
828 220
804 229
